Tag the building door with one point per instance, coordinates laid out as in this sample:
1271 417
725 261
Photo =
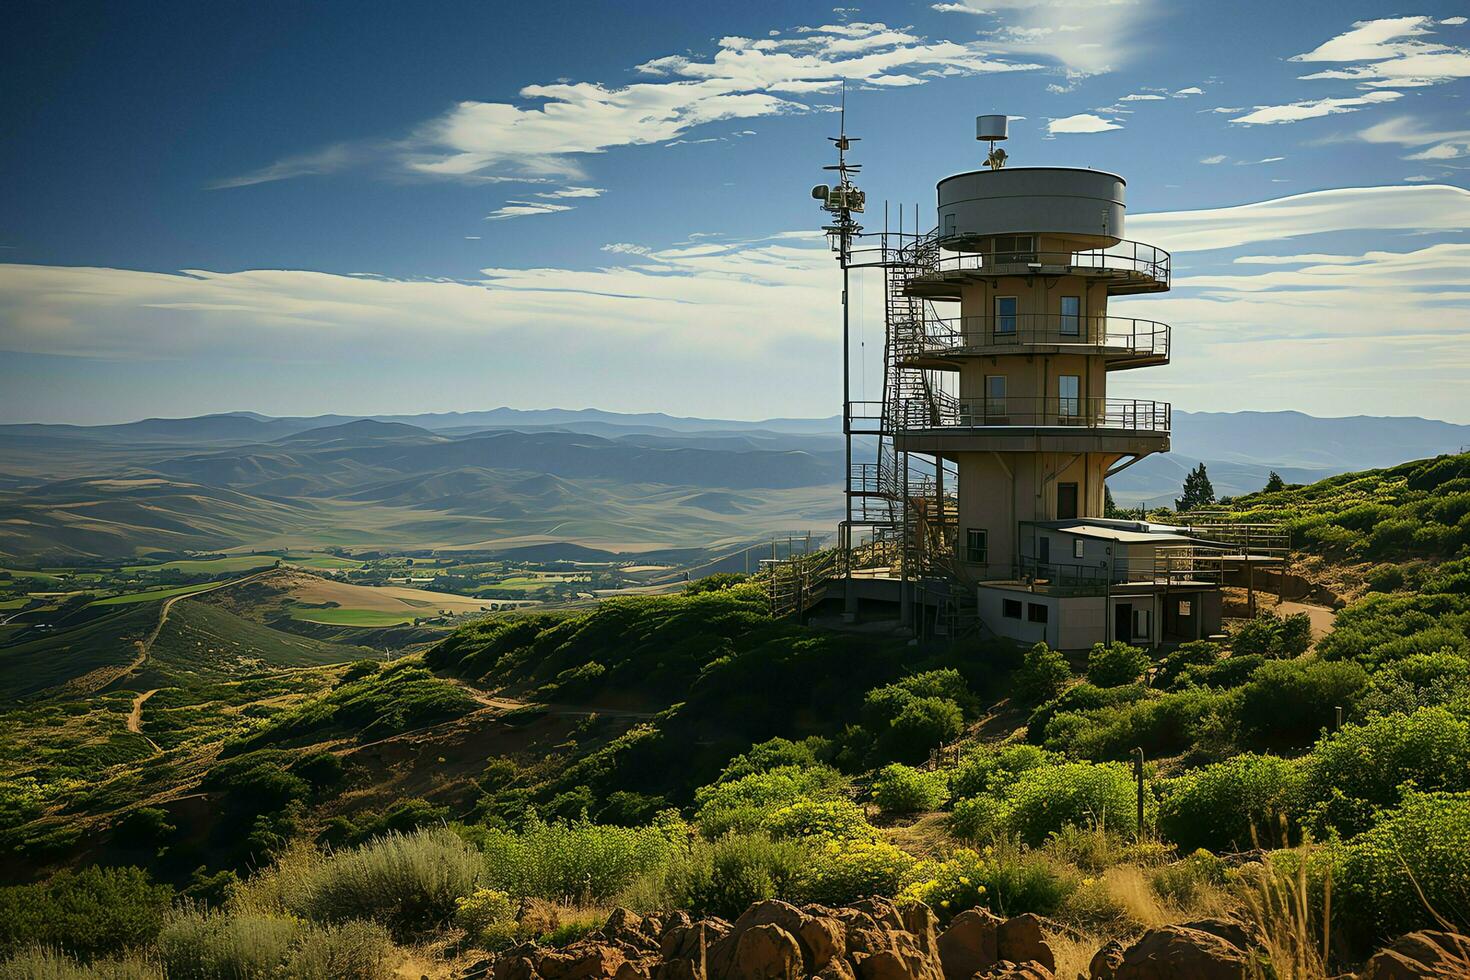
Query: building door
1123 622
1066 501
1069 398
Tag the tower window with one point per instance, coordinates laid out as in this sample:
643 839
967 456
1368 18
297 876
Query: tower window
1035 612
1005 315
976 546
995 395
1010 608
1010 249
1069 398
1071 325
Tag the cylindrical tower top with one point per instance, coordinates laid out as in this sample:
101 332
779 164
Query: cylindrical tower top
1085 206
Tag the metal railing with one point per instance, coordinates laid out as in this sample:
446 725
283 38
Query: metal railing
1142 338
1129 258
1168 565
944 411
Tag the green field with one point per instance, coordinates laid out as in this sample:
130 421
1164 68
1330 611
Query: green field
150 596
18 602
321 561
208 566
352 617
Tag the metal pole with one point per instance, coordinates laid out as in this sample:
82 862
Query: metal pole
1138 776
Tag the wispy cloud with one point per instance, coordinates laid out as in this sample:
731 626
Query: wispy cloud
525 209
1436 144
1212 160
554 127
1391 52
1266 115
1086 37
574 192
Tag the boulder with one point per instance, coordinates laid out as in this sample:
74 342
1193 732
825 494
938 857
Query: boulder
767 952
1179 951
969 945
628 928
919 920
585 960
1420 956
890 954
1018 939
1105 962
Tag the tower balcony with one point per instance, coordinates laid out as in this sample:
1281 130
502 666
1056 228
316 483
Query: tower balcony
1125 342
1127 268
942 424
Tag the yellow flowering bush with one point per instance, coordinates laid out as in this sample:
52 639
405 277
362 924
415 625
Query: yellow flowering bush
845 871
1007 879
488 916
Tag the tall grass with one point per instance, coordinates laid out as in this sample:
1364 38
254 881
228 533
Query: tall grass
45 964
407 883
578 862
212 946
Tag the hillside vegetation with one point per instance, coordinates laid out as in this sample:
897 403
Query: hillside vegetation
690 752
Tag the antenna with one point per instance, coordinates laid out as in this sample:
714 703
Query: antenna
993 130
844 200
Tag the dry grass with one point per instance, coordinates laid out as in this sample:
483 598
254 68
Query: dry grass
1074 951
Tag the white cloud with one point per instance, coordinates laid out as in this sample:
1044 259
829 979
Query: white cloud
1390 52
1087 37
1409 132
626 248
1217 158
1083 122
554 126
525 209
1453 21
1265 115
1185 93
1431 208
1142 97
574 192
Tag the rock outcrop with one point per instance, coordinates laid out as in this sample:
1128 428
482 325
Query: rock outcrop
870 940
1425 955
1209 949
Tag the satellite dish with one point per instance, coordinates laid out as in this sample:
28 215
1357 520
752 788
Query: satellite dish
991 129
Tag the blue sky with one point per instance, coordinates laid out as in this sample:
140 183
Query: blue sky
303 208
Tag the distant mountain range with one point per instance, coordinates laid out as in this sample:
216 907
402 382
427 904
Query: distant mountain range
507 478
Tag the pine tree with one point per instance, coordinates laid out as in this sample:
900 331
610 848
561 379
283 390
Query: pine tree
1110 509
1198 491
1274 482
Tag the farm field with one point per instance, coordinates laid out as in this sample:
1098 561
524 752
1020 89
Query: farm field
151 595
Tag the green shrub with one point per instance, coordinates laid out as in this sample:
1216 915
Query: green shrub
1116 664
213 946
1042 675
1182 881
405 882
1045 799
488 917
36 963
900 789
1163 725
989 769
1352 773
1287 703
404 816
718 582
922 725
775 753
978 818
917 713
1081 697
146 826
87 913
1218 807
1422 848
1195 653
577 860
746 803
724 877
846 871
1006 879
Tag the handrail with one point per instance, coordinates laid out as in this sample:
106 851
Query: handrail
946 411
955 334
1139 258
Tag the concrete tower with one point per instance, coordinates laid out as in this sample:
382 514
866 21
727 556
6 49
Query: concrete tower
1031 257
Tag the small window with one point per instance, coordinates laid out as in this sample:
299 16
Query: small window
1186 608
995 395
1005 315
1079 547
1067 503
1069 397
1071 325
1035 612
1014 248
1010 608
975 546
949 225
1143 620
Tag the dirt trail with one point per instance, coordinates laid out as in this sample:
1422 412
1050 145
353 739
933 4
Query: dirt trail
135 718
1322 617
